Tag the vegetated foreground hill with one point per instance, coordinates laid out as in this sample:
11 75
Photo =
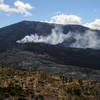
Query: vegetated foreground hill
38 85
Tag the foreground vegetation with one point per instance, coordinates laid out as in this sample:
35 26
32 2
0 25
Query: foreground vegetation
38 85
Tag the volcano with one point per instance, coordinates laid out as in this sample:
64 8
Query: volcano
58 59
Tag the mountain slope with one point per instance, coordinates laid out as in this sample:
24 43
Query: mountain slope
10 34
57 59
70 62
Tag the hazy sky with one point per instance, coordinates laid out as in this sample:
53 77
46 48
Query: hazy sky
86 12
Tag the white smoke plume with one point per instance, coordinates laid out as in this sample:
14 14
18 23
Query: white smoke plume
89 39
57 36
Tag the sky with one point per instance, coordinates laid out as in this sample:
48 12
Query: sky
84 12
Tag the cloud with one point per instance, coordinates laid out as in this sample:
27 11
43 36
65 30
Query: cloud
65 19
94 25
73 19
22 8
1 1
19 7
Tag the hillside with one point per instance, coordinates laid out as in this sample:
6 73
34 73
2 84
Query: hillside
38 85
59 59
54 59
10 34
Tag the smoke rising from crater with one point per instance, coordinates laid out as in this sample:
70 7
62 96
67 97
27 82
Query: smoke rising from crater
89 39
57 36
